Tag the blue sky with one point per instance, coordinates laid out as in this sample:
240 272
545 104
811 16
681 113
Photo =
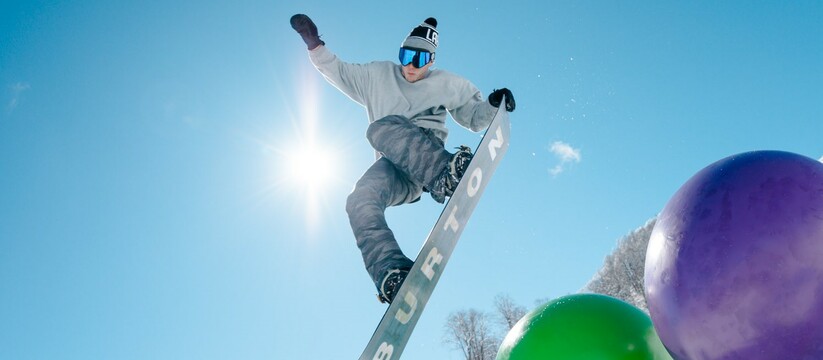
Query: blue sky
148 209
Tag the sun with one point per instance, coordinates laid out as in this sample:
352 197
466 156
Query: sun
310 168
308 174
308 165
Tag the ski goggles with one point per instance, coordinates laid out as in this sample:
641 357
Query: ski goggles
418 58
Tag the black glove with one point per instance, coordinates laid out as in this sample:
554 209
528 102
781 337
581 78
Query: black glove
497 96
307 30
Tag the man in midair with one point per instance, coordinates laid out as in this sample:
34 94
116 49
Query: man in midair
407 106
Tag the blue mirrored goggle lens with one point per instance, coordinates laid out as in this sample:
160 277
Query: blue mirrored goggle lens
418 58
406 56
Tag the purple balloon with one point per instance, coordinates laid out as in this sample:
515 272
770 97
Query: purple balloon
734 268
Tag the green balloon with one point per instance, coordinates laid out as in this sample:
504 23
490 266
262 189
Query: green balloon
583 326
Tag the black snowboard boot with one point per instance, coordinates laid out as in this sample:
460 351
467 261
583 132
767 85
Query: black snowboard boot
391 285
448 179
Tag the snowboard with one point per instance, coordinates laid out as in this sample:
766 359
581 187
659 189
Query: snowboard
396 327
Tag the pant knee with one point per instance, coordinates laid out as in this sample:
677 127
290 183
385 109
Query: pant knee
363 201
351 204
374 130
378 128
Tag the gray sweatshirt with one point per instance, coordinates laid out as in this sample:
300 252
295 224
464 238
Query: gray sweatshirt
381 88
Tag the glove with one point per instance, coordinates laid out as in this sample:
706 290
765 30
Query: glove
307 30
497 96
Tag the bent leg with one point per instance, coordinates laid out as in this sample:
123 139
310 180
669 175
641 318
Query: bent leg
414 150
381 186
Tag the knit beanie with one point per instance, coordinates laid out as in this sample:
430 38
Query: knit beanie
423 37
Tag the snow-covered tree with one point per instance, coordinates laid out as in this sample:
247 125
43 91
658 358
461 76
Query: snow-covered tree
469 332
508 312
622 273
474 332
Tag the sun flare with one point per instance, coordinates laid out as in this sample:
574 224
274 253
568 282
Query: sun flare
310 168
308 176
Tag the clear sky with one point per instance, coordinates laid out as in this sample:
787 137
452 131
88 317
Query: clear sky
149 207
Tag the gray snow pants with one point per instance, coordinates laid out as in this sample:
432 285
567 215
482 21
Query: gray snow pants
412 158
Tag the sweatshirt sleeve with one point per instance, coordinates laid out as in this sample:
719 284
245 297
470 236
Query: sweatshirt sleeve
351 79
470 110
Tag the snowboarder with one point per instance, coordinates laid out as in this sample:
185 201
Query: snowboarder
407 106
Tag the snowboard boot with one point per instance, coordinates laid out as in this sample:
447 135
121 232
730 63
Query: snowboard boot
391 285
447 181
